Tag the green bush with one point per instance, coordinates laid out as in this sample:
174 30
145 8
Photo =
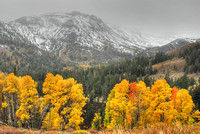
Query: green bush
96 123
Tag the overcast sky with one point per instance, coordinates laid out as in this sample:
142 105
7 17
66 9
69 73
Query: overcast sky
152 15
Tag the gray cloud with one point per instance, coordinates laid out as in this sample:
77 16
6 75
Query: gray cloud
147 15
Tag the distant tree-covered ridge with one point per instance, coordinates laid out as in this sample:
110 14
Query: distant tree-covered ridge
192 57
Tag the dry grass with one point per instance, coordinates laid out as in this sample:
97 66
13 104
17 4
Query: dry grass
159 130
163 129
175 67
174 64
12 130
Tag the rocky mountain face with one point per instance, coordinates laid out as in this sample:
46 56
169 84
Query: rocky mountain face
77 37
54 40
17 52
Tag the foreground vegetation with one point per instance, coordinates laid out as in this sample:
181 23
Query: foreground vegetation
129 105
98 81
163 129
59 108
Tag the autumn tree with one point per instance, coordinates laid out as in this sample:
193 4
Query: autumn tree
28 100
66 100
184 107
11 97
138 97
96 123
136 105
159 98
2 105
49 90
117 106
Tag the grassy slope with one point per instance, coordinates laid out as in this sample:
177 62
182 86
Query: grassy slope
174 66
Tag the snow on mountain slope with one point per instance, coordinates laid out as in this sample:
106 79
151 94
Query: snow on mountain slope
7 32
161 40
66 28
81 38
56 30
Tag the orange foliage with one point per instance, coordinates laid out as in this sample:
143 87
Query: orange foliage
174 93
132 90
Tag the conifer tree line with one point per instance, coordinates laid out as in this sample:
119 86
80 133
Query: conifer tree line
192 57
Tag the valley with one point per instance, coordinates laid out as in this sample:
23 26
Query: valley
62 72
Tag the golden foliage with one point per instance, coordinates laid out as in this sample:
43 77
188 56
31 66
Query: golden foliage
28 98
66 99
136 105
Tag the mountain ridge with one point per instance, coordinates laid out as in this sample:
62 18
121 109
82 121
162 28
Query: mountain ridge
73 39
150 52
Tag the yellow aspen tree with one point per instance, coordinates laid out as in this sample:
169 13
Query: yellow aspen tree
28 99
12 95
160 94
138 96
196 116
3 104
133 105
78 101
107 118
55 122
67 100
166 113
49 90
49 87
117 106
184 107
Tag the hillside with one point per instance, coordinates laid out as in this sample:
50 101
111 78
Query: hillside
22 55
70 35
185 60
175 67
71 39
180 49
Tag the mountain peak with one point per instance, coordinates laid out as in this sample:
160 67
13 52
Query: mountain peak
69 28
70 35
77 13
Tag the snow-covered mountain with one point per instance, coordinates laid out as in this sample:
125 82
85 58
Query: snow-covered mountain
54 31
80 38
8 33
